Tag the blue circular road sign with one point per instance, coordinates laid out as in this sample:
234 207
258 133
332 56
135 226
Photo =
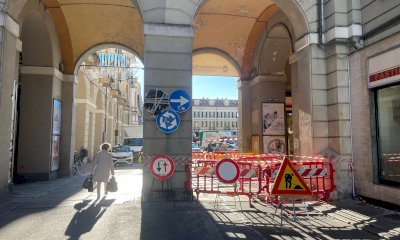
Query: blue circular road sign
180 101
168 121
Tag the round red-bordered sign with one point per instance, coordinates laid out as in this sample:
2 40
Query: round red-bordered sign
227 171
162 167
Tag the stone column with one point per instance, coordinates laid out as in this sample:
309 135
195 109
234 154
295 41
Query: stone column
167 66
68 125
10 45
264 88
321 108
338 114
302 100
245 121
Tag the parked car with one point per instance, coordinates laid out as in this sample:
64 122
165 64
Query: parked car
231 147
122 154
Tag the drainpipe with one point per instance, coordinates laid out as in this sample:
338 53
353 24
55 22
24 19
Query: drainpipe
321 23
354 196
321 29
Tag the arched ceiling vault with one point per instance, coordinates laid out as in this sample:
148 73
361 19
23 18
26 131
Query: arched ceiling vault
239 27
234 27
82 24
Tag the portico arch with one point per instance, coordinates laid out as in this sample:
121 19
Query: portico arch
215 62
38 128
92 50
293 9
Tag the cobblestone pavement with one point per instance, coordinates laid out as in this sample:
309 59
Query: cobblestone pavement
61 209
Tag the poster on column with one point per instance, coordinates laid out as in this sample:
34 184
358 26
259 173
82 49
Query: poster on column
255 144
273 118
55 150
56 117
274 144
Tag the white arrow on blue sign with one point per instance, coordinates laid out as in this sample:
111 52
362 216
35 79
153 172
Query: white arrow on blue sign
180 101
168 121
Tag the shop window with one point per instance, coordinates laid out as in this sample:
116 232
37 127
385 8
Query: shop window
388 132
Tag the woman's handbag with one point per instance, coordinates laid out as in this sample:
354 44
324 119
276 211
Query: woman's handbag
112 185
88 184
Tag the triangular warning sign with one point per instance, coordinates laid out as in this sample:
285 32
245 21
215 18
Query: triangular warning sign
289 182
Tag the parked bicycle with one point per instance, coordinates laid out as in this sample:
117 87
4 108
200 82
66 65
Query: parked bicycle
79 166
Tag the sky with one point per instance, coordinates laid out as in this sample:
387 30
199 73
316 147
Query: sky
208 86
214 87
211 87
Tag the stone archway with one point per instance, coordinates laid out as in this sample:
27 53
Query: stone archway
40 89
214 62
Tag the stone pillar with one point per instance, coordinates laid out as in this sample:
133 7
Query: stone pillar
264 88
302 102
10 45
68 125
338 112
321 121
167 66
99 127
245 121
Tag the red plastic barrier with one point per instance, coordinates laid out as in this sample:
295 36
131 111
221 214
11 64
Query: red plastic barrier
316 172
202 179
216 155
318 175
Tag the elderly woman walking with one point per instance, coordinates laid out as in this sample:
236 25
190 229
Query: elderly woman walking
103 166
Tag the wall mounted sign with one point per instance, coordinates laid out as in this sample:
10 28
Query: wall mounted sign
273 119
162 167
384 68
274 144
113 60
55 153
168 121
56 117
180 101
155 101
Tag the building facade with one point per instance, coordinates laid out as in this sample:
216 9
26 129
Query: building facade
108 98
215 115
336 59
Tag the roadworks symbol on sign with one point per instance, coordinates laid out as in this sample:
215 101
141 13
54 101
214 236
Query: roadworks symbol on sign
289 181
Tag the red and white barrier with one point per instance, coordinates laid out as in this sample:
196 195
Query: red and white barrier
201 178
317 172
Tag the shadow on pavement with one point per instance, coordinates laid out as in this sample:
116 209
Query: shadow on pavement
86 217
188 220
31 198
194 220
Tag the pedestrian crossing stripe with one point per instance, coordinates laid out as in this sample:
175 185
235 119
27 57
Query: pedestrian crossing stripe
289 181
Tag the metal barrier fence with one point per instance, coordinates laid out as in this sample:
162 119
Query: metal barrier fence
202 179
257 174
318 175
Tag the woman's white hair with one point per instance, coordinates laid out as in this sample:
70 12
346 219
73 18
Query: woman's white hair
105 146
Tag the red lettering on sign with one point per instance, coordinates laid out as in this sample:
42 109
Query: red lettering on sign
384 74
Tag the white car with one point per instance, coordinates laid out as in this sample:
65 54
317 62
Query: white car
122 154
